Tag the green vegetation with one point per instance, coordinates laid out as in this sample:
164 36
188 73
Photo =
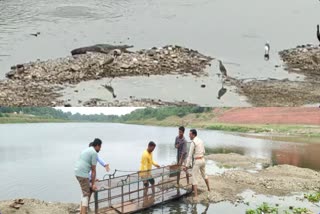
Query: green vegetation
195 117
300 210
314 198
51 114
265 208
237 128
14 118
137 115
161 113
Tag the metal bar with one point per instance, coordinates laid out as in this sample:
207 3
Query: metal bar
129 187
132 192
109 191
138 187
122 199
137 190
167 173
162 181
96 203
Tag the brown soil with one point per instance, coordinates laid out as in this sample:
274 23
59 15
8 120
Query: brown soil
33 206
274 92
270 115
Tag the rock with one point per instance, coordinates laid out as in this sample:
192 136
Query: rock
93 65
75 67
125 66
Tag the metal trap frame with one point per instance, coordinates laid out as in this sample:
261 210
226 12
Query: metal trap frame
125 193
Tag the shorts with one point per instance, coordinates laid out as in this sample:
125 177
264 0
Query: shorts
85 186
146 182
182 158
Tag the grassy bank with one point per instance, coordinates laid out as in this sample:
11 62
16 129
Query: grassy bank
20 118
208 121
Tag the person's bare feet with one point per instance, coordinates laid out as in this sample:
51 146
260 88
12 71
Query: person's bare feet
195 199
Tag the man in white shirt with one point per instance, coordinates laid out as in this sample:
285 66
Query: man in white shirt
197 150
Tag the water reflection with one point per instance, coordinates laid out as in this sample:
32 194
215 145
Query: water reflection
301 155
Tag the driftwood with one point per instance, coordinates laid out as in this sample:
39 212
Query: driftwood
101 48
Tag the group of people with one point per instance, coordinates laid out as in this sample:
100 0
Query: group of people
85 167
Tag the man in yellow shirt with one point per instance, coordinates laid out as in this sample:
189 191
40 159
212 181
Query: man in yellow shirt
146 167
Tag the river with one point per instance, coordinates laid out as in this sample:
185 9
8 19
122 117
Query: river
37 160
234 31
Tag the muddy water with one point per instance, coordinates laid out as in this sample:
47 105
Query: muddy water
252 201
165 88
38 155
234 31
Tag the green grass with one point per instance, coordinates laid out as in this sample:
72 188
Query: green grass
237 128
207 121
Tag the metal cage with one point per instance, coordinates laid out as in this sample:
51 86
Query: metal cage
127 193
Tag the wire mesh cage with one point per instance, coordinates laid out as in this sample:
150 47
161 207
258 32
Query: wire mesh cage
130 193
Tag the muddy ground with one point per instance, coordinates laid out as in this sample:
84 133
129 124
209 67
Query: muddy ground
303 60
281 180
40 83
33 206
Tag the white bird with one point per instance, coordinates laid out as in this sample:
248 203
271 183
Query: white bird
267 51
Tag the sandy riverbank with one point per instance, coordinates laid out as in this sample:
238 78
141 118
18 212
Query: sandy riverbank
281 180
34 206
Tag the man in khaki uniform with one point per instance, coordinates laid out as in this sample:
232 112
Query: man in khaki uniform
197 150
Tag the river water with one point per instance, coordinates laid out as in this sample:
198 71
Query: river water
37 160
231 30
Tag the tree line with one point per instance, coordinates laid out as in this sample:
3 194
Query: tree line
139 114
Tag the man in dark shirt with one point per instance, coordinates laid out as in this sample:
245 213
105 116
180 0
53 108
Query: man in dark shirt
181 146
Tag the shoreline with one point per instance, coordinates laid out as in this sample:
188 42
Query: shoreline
41 83
199 121
241 173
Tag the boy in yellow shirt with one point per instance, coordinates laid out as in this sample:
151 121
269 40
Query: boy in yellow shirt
146 167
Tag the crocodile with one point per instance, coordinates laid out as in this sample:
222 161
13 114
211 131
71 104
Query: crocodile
101 48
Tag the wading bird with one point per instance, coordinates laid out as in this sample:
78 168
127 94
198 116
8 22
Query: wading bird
266 51
110 89
223 69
